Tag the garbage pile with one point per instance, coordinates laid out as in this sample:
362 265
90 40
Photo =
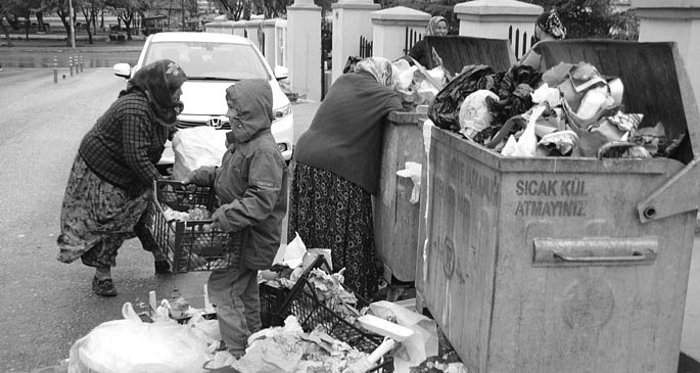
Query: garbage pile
571 110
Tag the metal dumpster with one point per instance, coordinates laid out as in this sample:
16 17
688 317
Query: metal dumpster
566 264
396 219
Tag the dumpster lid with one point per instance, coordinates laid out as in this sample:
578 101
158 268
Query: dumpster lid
459 51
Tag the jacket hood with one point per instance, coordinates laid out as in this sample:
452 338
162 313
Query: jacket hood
252 99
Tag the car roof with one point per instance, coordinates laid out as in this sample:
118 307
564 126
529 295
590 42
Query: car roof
198 37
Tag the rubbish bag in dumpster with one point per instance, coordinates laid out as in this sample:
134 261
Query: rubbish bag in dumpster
444 111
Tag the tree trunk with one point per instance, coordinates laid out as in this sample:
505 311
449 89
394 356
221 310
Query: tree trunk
40 21
63 15
5 30
26 25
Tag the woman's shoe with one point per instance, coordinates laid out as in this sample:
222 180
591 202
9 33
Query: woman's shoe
162 267
104 287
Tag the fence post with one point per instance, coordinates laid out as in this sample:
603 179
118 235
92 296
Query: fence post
391 28
70 65
498 19
304 42
351 19
55 69
75 61
81 64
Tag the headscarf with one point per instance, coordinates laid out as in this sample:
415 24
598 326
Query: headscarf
379 67
433 23
159 81
550 23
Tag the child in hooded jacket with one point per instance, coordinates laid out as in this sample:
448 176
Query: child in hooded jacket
251 188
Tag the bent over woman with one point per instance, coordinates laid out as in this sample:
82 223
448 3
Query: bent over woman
112 176
337 164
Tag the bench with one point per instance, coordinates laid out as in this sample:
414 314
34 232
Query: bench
119 38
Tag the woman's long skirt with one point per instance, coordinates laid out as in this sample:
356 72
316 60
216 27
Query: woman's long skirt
96 218
330 212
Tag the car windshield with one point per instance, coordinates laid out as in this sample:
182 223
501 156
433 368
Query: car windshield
211 61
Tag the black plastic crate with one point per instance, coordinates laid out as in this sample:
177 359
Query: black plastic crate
190 245
274 300
303 302
311 312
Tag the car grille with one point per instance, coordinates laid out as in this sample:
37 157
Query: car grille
190 124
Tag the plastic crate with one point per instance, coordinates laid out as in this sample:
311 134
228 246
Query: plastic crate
311 312
190 245
274 300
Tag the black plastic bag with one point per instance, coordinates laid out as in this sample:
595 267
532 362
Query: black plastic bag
444 110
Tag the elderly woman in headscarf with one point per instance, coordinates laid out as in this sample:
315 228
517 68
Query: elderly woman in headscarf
336 171
112 176
547 27
437 26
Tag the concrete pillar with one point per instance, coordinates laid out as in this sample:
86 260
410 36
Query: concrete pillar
281 43
351 19
677 21
499 19
268 30
304 30
389 30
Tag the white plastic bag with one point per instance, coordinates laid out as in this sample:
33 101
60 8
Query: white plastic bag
474 114
291 255
196 147
424 341
132 346
413 172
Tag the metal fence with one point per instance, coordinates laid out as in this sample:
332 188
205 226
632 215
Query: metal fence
412 37
365 47
520 41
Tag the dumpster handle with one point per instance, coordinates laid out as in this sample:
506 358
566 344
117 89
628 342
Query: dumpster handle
665 201
635 257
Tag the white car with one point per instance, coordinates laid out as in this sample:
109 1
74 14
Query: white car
212 63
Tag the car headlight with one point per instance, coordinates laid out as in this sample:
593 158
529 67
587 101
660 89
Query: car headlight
282 112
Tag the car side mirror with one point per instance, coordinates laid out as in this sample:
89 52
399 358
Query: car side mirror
281 72
122 70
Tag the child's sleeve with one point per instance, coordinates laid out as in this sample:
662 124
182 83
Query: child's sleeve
264 188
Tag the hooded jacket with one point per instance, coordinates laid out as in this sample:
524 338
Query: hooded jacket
251 183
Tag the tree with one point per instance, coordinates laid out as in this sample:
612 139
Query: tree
235 8
127 10
6 7
90 9
593 19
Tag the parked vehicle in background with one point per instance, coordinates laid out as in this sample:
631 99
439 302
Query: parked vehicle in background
213 62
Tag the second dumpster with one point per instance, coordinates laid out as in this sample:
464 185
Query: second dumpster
567 264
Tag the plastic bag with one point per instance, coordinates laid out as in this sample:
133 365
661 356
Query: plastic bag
413 172
424 341
474 114
132 346
444 110
196 147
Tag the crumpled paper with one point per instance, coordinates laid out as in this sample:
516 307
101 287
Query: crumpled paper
288 349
